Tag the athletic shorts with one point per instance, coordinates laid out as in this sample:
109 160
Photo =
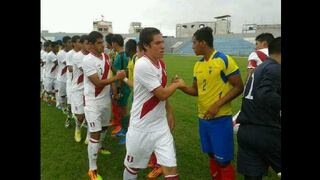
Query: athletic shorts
216 137
49 84
140 146
77 106
62 88
258 148
98 115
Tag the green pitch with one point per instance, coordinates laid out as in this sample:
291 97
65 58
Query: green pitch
64 159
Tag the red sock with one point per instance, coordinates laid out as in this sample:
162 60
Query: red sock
213 167
115 111
153 159
226 173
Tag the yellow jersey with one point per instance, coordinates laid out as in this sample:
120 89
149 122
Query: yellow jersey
212 80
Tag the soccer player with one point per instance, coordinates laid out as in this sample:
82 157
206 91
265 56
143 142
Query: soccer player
259 136
97 80
44 52
75 40
216 82
115 109
51 71
149 130
61 74
76 91
255 58
123 90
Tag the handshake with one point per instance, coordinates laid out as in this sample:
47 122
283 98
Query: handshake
121 74
178 81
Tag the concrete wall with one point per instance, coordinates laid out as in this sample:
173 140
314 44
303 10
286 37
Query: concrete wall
188 29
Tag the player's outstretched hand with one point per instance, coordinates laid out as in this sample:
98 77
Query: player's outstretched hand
121 74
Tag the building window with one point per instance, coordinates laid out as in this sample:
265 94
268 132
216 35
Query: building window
201 25
192 26
99 29
184 26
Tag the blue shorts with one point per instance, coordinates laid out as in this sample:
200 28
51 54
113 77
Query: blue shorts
216 137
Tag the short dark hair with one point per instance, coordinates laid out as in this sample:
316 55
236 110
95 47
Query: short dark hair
108 38
268 37
54 44
93 36
83 38
59 42
146 36
275 46
47 44
139 44
204 34
75 38
117 38
65 39
131 46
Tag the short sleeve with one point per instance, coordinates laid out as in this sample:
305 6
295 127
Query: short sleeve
232 68
252 60
145 75
89 67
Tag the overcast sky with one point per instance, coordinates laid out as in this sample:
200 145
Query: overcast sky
77 15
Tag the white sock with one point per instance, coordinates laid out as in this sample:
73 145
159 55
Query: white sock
88 134
78 124
57 99
102 136
128 175
93 148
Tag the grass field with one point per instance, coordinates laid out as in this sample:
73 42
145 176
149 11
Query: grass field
64 159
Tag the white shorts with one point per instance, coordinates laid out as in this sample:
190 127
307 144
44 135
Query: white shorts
49 84
77 106
140 146
62 88
97 116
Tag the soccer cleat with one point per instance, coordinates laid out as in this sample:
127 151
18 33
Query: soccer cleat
67 122
156 172
84 124
104 151
86 141
116 130
77 135
94 175
120 133
122 141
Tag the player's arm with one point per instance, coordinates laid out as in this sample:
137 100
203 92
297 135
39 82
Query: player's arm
163 93
128 82
170 116
104 82
191 90
237 89
269 88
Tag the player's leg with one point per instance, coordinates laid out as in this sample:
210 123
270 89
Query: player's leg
77 100
249 162
166 155
105 122
139 146
222 143
94 126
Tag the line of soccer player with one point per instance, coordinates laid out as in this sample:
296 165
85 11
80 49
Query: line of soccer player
91 86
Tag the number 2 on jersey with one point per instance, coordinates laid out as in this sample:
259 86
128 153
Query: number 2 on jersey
204 84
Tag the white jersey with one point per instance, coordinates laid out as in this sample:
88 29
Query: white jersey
62 68
92 65
77 74
51 68
257 57
68 63
42 68
148 113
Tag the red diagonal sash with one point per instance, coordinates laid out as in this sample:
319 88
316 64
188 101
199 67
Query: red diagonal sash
64 70
154 101
105 73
